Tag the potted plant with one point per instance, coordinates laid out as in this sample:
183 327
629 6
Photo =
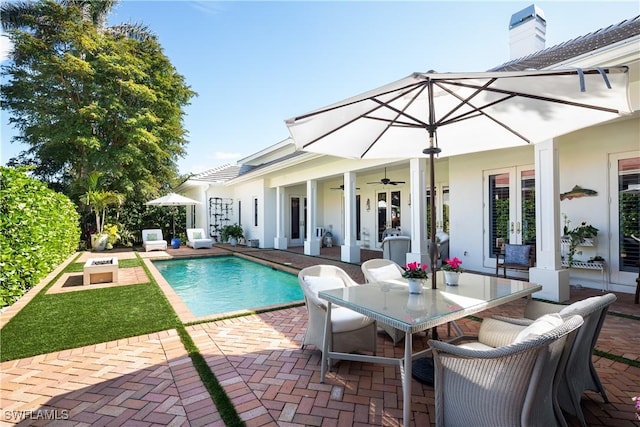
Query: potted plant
112 233
577 236
231 234
452 270
97 201
415 273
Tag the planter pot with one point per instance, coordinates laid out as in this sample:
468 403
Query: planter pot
233 241
175 243
99 242
451 278
415 285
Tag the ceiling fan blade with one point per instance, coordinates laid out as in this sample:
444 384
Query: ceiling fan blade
342 188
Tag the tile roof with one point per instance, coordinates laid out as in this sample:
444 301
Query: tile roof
576 47
219 174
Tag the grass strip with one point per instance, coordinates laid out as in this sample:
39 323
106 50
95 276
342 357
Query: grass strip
216 391
616 358
208 378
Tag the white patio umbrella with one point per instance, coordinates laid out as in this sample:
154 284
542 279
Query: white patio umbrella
461 113
173 199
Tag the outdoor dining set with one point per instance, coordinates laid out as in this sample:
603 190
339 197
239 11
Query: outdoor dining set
531 370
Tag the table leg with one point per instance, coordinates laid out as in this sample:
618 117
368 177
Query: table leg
325 343
406 378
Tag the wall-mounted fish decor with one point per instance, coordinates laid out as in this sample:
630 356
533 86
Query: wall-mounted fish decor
576 192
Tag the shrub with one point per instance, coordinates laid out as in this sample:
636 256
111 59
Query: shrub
38 230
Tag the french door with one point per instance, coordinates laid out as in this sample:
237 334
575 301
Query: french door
388 212
624 216
510 211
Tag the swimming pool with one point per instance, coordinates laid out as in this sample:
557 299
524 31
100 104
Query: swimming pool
215 285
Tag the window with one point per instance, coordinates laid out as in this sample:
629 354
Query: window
239 212
255 211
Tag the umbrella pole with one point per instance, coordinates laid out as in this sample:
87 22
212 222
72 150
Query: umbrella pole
174 222
433 247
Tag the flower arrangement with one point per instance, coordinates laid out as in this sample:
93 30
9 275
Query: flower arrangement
452 264
415 270
636 399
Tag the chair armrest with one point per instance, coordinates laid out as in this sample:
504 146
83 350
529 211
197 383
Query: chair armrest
514 320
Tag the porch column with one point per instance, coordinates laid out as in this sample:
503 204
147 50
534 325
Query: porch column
418 184
548 271
280 241
350 251
312 242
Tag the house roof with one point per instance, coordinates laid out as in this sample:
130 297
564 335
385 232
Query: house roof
576 47
219 174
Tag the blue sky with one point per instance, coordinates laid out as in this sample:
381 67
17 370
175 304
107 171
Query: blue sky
255 64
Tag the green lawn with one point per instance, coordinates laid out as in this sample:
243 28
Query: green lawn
74 319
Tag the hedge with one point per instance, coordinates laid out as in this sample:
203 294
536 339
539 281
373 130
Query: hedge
38 230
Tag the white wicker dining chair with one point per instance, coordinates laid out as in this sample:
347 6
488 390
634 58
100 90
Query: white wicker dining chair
580 374
379 270
510 385
350 331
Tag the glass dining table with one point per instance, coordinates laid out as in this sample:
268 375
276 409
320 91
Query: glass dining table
390 302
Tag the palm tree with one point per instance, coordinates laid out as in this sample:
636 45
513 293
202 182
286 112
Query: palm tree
14 16
98 200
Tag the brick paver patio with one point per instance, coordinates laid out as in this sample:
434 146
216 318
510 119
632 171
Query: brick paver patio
150 381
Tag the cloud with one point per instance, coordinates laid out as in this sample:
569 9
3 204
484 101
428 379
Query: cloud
208 7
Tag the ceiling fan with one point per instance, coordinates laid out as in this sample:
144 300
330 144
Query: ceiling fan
342 187
386 181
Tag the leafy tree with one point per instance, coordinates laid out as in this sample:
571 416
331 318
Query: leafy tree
90 98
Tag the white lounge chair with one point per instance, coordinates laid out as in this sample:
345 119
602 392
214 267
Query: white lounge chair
197 239
152 240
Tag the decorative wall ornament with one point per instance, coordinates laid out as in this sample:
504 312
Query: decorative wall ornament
577 192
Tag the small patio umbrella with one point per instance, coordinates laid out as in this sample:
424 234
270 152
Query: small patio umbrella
469 112
173 199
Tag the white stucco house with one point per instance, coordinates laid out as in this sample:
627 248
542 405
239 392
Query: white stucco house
285 198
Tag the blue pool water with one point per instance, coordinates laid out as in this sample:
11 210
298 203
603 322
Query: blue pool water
217 285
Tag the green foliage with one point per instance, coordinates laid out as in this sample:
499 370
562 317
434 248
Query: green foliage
38 230
231 231
629 214
86 99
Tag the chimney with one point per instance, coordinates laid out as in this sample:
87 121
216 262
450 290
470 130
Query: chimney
527 31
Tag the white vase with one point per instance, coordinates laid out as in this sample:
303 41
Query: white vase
451 278
415 286
99 242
